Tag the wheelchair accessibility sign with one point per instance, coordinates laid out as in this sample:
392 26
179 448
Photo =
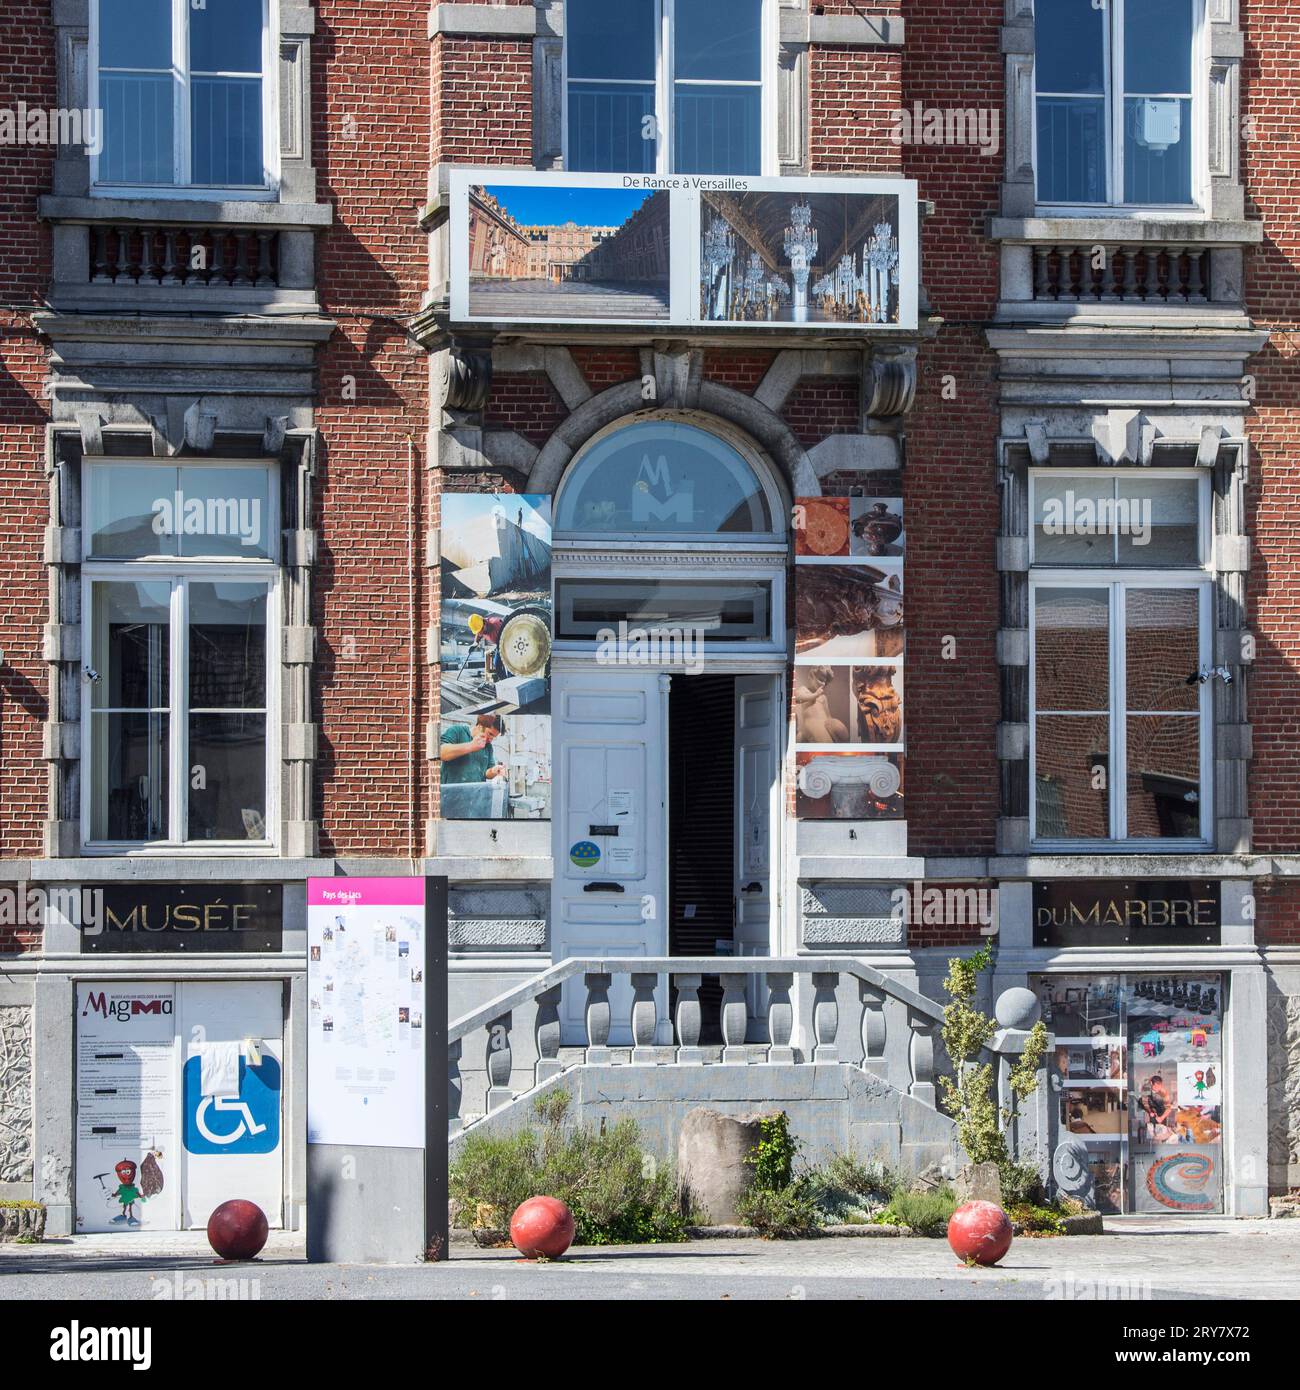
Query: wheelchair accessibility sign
247 1124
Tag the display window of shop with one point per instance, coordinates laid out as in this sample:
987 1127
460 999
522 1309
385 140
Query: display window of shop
1116 99
180 604
1136 1086
185 96
666 86
1121 629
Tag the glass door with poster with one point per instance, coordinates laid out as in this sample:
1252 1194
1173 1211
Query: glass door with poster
1136 1081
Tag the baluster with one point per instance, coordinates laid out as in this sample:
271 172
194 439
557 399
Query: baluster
826 1016
1151 273
645 1021
217 262
500 1063
597 1016
455 1085
1130 289
780 1017
546 1027
735 1017
689 1052
264 273
101 269
1042 272
920 1055
169 275
242 277
157 253
1066 285
125 263
1196 290
1108 282
873 1028
1174 284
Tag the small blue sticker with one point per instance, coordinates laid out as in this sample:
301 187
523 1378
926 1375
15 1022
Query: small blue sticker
585 855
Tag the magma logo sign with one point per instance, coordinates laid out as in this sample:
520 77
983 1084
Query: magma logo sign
122 1008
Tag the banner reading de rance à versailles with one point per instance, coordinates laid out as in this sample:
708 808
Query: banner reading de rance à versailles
681 250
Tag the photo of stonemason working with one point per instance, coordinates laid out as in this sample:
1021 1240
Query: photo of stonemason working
495 768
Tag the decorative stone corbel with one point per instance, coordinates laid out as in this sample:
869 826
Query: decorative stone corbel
1207 455
888 384
277 426
678 372
464 380
91 425
1040 449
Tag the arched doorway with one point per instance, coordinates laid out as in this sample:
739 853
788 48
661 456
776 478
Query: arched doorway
670 562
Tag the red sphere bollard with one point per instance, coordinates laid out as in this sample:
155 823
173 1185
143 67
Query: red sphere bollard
980 1233
542 1226
238 1229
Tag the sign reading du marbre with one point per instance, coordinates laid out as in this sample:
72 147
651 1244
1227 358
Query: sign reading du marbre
681 250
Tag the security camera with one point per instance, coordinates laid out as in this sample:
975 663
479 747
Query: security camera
90 674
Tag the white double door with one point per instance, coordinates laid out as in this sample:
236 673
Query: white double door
611 830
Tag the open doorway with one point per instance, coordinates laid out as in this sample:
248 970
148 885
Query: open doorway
701 837
722 781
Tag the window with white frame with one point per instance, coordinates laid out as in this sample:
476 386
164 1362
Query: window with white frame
667 86
1116 102
179 622
184 88
1121 618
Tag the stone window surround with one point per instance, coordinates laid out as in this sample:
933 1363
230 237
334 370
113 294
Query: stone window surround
296 835
544 23
1224 49
1228 459
296 23
291 210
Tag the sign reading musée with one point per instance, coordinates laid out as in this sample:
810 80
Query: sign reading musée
179 1084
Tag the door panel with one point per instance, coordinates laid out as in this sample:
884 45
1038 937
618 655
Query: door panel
610 827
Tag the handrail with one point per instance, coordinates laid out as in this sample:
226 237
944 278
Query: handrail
564 970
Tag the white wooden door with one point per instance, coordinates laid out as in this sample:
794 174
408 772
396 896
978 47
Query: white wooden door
610 819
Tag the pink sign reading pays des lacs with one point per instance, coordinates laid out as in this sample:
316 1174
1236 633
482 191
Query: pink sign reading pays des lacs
365 892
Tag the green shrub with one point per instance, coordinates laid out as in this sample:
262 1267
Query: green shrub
874 1179
1036 1220
773 1160
617 1192
1021 1184
926 1213
784 1213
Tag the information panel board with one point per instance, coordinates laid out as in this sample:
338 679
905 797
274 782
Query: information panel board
366 1023
680 250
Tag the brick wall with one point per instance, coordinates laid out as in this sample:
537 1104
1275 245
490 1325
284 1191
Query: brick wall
949 485
26 75
371 64
1271 170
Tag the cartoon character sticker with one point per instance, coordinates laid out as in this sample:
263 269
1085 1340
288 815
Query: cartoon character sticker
127 1194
